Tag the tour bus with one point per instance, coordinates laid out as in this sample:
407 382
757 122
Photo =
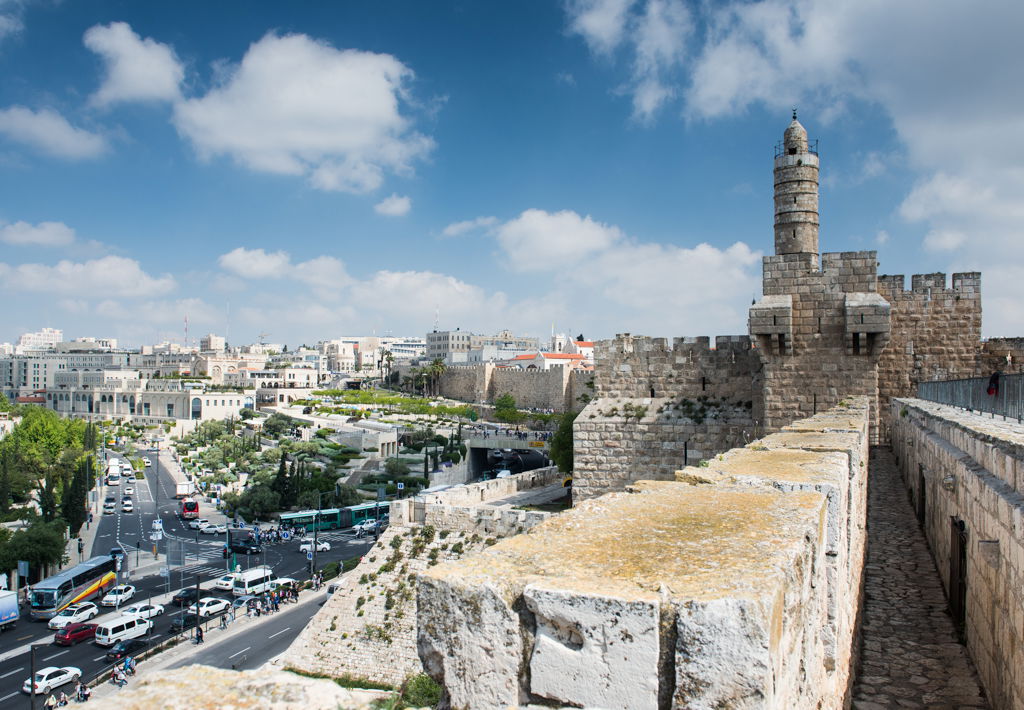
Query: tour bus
337 518
114 477
123 627
254 581
78 584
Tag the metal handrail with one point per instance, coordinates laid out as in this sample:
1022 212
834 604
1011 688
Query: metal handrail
973 394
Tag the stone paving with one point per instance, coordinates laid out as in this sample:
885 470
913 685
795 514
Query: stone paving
910 654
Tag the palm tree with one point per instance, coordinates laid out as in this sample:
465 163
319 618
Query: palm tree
435 369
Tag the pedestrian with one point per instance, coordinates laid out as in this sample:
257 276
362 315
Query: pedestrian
62 699
199 634
119 678
51 702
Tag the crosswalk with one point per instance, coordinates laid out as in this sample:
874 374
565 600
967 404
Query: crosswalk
202 570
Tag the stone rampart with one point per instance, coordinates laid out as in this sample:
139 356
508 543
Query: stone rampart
1001 355
965 476
737 585
558 388
660 406
935 334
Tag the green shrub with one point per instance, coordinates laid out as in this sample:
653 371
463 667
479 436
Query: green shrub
330 570
421 691
349 564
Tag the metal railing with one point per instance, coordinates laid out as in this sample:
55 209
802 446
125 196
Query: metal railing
972 394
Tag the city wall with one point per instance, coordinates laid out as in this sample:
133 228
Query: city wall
558 389
659 407
736 585
935 335
964 473
367 628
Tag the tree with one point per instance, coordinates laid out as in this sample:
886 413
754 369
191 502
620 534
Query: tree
396 467
347 495
41 545
561 443
73 503
246 414
505 409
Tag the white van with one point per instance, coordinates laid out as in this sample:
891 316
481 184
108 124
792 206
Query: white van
123 627
254 581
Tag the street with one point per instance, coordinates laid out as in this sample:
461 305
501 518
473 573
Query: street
192 556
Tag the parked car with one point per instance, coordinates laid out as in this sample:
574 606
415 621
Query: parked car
118 595
213 530
143 611
198 523
128 647
283 583
82 611
74 633
188 595
208 606
182 621
242 600
306 544
46 679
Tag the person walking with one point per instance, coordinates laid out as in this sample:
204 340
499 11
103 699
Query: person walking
51 702
199 634
119 678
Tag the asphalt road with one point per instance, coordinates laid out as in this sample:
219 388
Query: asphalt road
259 643
201 557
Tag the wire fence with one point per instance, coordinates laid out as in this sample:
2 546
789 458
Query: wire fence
1006 399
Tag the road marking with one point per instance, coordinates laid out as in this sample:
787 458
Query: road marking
47 658
16 670
279 632
240 652
8 696
22 638
99 658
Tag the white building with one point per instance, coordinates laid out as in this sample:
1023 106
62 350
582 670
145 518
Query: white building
213 343
24 375
44 340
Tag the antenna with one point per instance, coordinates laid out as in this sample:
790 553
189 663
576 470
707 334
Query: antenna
437 316
227 325
263 338
186 331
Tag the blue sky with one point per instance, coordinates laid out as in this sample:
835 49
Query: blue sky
316 169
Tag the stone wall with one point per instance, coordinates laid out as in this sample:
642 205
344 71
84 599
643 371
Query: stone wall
936 333
737 585
558 388
819 333
1000 355
367 628
705 401
965 475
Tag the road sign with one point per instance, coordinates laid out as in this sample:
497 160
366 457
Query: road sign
381 492
309 555
401 485
286 535
158 524
165 571
22 568
156 536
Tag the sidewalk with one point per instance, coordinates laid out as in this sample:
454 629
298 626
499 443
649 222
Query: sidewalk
212 636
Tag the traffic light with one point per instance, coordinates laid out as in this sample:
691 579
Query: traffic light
224 552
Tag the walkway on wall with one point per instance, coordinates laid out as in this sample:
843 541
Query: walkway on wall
910 655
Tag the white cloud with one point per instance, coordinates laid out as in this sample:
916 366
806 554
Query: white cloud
600 22
535 240
296 106
325 273
256 263
48 131
456 229
414 295
159 312
107 277
136 69
9 25
882 237
944 240
393 206
44 234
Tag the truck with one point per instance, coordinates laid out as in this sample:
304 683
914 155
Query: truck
184 490
9 611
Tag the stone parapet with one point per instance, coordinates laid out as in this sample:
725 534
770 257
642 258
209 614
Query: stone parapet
733 586
965 476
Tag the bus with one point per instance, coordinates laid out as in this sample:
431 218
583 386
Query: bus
90 578
189 509
337 518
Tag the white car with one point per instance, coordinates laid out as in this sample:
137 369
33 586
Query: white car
198 523
208 606
82 611
213 530
283 582
127 507
306 545
118 595
129 491
225 583
145 460
49 678
143 611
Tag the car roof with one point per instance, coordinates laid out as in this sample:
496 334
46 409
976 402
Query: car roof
78 625
48 669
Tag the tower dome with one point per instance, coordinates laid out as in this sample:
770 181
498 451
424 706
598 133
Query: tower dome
795 139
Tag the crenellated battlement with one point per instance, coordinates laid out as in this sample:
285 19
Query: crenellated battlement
626 344
965 285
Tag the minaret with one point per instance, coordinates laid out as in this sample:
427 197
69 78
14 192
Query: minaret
796 193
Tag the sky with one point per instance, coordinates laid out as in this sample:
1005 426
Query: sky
309 170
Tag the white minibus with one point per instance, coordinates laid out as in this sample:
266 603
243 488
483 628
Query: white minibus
123 627
254 581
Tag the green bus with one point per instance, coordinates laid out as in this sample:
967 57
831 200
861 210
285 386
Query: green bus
336 518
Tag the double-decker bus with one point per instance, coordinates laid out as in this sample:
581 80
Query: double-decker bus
336 518
189 509
88 579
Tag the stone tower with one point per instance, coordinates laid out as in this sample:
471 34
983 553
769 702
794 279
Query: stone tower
822 325
796 193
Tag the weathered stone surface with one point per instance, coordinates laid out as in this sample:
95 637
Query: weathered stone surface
203 687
